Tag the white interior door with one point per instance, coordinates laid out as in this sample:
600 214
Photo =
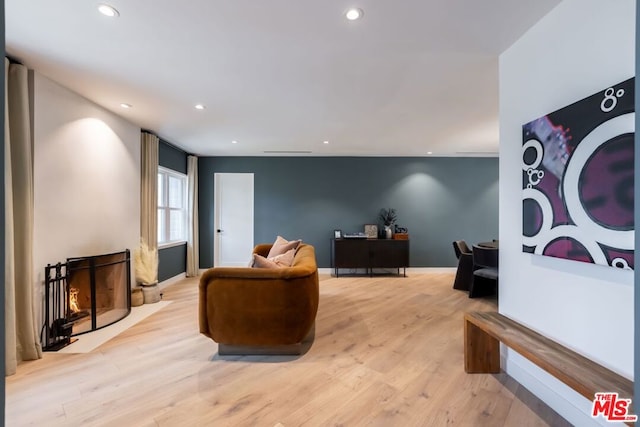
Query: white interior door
233 233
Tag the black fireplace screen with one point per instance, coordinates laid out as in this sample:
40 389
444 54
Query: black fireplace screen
85 294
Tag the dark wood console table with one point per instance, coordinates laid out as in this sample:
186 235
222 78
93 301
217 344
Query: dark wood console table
370 254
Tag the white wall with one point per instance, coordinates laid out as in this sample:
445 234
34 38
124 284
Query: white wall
86 178
579 48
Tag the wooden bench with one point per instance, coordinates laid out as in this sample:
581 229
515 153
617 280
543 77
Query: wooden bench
483 333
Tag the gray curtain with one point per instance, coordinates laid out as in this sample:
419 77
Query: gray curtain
22 340
149 146
193 250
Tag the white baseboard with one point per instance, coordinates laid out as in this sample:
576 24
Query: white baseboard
561 398
424 270
172 280
329 271
410 270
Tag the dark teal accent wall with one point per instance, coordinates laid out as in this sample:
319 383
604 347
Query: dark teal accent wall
172 261
172 157
438 199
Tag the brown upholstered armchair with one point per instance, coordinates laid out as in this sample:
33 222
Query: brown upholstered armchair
260 310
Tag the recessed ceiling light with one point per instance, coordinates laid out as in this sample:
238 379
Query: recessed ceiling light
199 107
234 142
124 105
354 13
429 152
325 142
109 11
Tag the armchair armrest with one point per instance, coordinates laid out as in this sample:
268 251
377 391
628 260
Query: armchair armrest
249 273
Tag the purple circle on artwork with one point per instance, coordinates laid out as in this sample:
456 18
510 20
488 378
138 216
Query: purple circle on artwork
606 184
568 248
531 217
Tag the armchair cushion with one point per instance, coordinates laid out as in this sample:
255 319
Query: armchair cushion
281 245
261 262
279 261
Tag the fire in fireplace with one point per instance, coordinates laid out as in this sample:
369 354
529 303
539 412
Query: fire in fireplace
73 300
85 294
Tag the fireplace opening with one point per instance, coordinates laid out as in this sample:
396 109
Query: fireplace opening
85 294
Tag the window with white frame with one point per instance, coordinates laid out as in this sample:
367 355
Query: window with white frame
172 206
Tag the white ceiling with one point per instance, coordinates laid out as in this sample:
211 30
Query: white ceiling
410 77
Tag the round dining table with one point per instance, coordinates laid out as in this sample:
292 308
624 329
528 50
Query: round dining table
491 245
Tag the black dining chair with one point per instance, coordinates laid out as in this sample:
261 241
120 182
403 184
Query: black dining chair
464 273
485 271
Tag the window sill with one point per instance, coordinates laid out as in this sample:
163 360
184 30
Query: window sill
171 244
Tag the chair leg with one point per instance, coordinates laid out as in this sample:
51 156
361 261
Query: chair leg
478 287
464 274
474 288
481 287
460 282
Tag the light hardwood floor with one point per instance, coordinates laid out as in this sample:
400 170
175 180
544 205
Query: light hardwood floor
387 352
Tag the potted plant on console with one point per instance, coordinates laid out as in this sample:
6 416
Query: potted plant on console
146 270
388 218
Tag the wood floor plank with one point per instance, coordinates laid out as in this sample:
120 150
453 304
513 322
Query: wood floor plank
388 351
